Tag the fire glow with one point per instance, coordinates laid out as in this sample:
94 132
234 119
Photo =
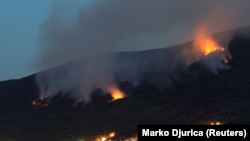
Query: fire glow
215 123
132 139
212 122
105 137
116 93
227 59
40 102
205 43
110 136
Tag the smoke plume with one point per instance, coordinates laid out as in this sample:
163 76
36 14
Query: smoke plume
91 33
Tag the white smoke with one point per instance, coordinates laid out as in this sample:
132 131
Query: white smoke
92 32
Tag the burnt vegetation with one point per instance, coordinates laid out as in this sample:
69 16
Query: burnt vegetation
193 100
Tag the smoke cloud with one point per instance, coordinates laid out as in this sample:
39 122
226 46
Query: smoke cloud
92 32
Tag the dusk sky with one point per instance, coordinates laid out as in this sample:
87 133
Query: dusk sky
20 24
19 30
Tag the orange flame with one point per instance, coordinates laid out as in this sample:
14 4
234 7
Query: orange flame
105 137
40 102
132 139
227 59
215 123
116 93
205 43
212 122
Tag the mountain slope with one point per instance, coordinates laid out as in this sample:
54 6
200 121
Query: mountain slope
224 97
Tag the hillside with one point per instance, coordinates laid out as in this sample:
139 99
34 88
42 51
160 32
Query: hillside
222 97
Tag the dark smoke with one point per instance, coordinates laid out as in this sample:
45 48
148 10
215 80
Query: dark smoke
92 32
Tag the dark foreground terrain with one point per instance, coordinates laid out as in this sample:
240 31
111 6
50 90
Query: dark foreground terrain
223 97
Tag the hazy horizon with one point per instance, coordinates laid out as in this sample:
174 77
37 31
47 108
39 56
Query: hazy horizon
33 34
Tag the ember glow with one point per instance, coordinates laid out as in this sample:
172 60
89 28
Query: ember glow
110 136
205 43
227 59
215 123
41 102
105 137
131 139
212 122
116 93
77 102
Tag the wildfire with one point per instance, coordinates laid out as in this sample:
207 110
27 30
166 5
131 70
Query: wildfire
205 43
227 59
41 102
116 93
215 123
77 103
131 139
212 122
105 137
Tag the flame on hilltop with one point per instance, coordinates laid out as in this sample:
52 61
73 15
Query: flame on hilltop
105 137
116 93
205 43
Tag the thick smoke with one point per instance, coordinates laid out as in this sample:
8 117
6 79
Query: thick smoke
91 32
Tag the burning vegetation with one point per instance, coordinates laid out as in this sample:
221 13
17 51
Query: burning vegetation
215 123
110 136
116 93
132 139
78 102
212 122
205 43
41 102
106 137
227 59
